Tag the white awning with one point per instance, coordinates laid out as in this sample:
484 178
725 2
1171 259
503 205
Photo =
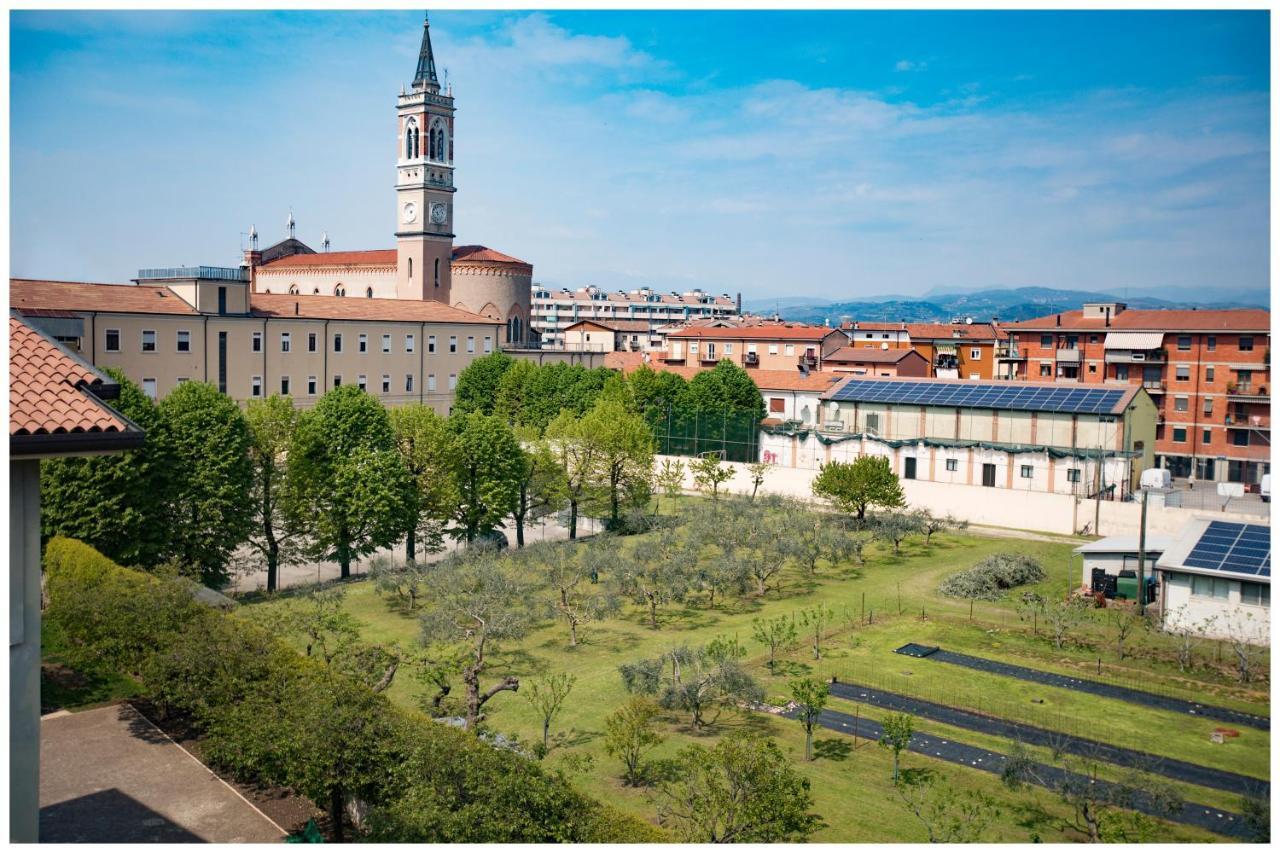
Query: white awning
1134 340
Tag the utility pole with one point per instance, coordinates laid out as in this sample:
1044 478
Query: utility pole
1142 556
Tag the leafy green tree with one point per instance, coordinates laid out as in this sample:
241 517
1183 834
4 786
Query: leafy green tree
554 388
895 527
629 734
670 478
542 481
810 697
207 441
725 389
115 503
480 603
896 736
478 383
709 473
547 696
487 465
856 486
623 454
948 814
654 391
816 620
513 389
742 790
426 445
271 426
348 486
578 455
778 633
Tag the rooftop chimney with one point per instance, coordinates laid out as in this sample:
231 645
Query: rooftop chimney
1058 320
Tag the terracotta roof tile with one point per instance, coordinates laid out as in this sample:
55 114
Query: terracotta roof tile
359 308
44 397
927 331
26 294
614 325
368 257
1155 320
757 333
486 255
766 380
871 355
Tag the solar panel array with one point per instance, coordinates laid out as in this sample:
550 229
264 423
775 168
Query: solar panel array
982 395
1225 546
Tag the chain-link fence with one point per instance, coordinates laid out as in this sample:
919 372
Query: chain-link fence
735 435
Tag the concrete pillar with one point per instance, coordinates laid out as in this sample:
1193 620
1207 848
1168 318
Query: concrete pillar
24 651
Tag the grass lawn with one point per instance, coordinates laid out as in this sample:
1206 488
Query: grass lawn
851 788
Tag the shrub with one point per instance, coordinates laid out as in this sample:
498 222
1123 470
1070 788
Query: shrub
989 579
269 714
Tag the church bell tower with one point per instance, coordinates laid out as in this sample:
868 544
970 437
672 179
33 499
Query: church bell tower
424 183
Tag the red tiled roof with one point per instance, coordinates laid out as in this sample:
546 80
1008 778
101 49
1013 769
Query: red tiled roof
26 294
486 255
757 333
926 331
367 257
1155 320
286 305
45 390
871 355
613 325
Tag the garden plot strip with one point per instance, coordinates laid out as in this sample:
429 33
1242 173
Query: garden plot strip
922 743
1100 688
1172 768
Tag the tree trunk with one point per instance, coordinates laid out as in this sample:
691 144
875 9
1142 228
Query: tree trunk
573 518
546 734
335 814
273 570
344 561
808 742
519 519
653 613
411 544
761 587
895 767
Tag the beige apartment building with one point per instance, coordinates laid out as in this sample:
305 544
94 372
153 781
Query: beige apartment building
203 324
768 346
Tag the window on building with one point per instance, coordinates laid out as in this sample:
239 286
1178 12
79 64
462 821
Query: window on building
431 342
1093 339
872 422
1182 372
182 379
1122 371
311 386
1208 374
112 343
362 343
471 343
1180 435
777 404
337 380
257 341
488 343
1207 437
149 388
1240 438
408 383
431 382
1073 475
975 353
255 386
1257 594
386 383
1046 369
1184 342
368 293
340 291
1073 341
1046 341
1208 405
222 300
1181 404
453 343
1093 368
790 349
408 343
284 385
362 382
311 342
1246 343
437 275
953 464
773 349
1219 588
337 342
411 269
1027 472
184 341
148 340
453 381
286 342
386 343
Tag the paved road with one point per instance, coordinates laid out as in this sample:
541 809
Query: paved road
1183 771
109 776
1099 688
923 743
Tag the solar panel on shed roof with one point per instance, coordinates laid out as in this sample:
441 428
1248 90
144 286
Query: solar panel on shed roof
976 395
1226 546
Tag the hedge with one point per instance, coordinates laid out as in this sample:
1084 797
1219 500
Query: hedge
270 715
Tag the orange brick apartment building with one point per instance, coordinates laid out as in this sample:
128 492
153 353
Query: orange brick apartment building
952 350
1208 370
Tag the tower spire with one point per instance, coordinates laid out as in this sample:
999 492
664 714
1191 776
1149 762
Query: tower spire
426 73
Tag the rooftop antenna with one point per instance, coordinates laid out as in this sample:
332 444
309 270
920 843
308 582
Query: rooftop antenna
324 240
292 224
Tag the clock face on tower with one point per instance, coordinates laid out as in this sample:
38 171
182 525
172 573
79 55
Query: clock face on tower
439 213
410 212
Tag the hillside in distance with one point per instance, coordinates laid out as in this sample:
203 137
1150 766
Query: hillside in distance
1008 304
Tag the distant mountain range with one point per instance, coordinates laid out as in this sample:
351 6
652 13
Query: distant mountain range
1009 304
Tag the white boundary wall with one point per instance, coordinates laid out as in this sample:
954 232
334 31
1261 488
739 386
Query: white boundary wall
1024 510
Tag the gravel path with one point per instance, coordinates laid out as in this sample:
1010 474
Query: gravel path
1099 688
1173 768
923 743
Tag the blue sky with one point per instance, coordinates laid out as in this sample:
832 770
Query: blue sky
833 154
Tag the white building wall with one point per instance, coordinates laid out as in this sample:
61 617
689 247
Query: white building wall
1219 619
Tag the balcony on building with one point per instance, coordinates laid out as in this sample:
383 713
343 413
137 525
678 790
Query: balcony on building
1247 392
1134 348
1068 355
1154 386
1009 352
751 359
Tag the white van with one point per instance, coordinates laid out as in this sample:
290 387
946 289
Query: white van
1265 488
